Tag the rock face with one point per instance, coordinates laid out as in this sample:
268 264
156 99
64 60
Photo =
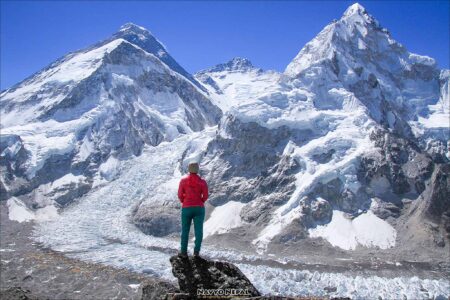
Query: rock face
399 168
13 157
437 197
233 154
196 273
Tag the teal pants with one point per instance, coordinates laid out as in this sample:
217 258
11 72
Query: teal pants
197 214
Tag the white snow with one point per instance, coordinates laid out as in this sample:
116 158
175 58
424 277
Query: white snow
291 282
129 25
366 230
46 213
134 286
436 120
109 168
349 137
422 59
17 211
67 74
75 68
45 139
242 88
67 179
223 218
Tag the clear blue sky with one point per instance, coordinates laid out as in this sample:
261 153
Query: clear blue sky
201 34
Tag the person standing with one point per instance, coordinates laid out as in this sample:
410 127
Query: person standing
192 193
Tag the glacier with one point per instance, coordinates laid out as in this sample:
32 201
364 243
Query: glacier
105 235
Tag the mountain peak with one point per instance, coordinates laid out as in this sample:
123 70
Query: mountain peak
239 63
133 33
139 36
356 13
355 8
236 64
131 27
356 30
143 38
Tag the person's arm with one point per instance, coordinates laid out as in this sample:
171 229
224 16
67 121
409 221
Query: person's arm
204 191
181 192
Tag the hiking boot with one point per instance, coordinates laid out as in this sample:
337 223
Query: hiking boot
197 253
182 254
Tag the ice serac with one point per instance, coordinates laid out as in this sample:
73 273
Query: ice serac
91 109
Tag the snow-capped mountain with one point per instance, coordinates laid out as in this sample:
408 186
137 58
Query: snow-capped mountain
345 150
350 139
73 120
237 82
400 89
356 124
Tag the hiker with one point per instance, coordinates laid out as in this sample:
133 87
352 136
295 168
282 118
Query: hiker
193 193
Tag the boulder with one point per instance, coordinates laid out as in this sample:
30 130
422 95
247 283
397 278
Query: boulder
157 290
196 274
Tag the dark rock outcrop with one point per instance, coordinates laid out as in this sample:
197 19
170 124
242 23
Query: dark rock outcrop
13 157
157 220
440 191
245 163
17 293
403 163
196 273
157 291
437 197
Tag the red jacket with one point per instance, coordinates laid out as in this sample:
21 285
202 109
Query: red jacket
192 191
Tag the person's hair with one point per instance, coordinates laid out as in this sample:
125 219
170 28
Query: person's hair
193 168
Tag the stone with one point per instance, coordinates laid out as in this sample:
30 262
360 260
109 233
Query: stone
157 291
17 293
196 273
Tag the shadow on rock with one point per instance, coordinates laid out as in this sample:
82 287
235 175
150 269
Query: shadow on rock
17 293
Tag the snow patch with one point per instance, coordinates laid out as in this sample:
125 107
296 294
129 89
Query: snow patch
67 179
223 218
17 211
366 230
109 169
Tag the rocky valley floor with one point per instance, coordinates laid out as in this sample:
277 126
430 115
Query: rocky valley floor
51 275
